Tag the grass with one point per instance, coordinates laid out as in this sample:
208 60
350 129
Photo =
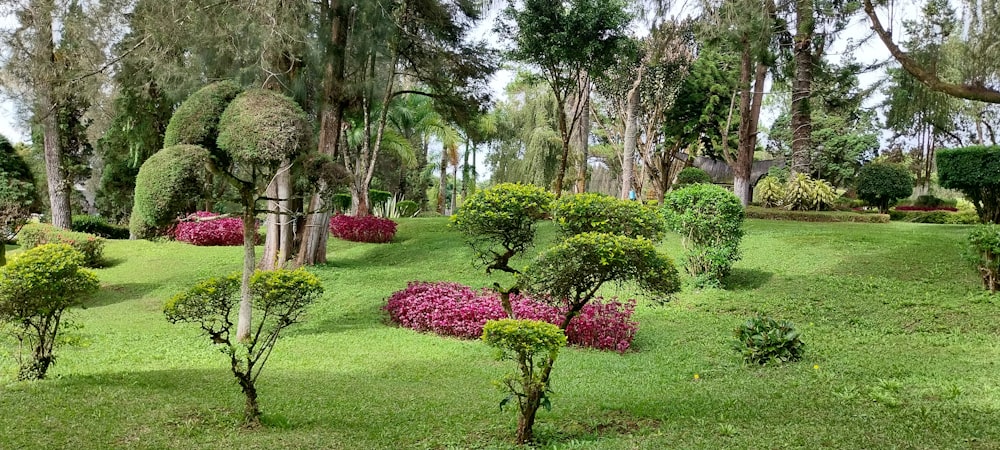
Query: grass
902 352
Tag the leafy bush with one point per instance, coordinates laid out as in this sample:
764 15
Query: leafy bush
975 171
196 120
362 229
770 192
407 208
804 193
279 300
499 222
169 184
754 212
937 216
880 184
931 201
97 226
451 309
263 127
984 241
762 340
591 212
342 203
379 199
216 232
38 234
710 221
36 288
692 175
937 207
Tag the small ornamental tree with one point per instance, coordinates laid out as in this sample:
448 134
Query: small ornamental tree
692 175
168 185
279 297
975 171
591 212
880 184
985 245
36 288
710 221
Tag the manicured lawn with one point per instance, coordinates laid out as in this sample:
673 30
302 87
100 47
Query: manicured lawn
903 351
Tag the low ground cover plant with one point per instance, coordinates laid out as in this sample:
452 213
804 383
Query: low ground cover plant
197 230
925 208
936 216
37 234
369 229
763 340
452 309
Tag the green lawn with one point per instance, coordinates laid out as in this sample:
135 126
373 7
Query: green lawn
902 352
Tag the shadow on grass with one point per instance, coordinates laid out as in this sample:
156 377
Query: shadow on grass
123 292
746 279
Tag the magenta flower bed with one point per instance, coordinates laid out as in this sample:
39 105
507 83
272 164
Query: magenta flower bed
926 208
228 231
452 309
362 229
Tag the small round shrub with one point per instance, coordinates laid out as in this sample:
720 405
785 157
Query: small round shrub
263 127
880 184
369 229
38 234
169 184
692 175
975 171
592 212
499 222
710 221
196 120
407 208
762 340
217 232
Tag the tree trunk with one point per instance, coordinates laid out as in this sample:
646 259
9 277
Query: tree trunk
580 134
526 422
442 181
249 262
631 137
251 409
47 114
359 200
802 87
272 226
564 133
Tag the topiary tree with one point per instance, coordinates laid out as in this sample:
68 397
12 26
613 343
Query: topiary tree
692 175
280 297
881 183
168 185
710 221
592 212
36 288
975 171
196 120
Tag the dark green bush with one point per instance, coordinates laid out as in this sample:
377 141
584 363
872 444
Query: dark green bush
880 184
756 212
984 241
710 221
36 288
407 208
196 120
17 194
499 222
591 212
263 127
342 203
933 202
762 340
169 184
378 198
97 226
38 234
939 217
975 171
692 175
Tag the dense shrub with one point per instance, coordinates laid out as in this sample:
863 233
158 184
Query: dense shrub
984 241
36 288
710 221
938 216
378 199
692 175
880 184
341 203
499 222
762 340
263 127
938 207
975 171
196 120
362 229
755 212
804 193
407 208
770 192
591 212
933 201
169 183
38 234
97 226
225 231
451 309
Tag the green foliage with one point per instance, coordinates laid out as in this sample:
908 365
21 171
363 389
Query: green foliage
710 221
933 201
407 208
770 192
97 226
692 175
342 203
984 241
36 288
762 340
280 298
38 234
880 184
939 217
701 106
378 199
592 212
499 222
975 171
17 193
169 184
756 212
196 120
804 193
263 127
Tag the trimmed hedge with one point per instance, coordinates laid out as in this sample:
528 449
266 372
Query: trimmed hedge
37 234
938 216
97 226
975 171
756 212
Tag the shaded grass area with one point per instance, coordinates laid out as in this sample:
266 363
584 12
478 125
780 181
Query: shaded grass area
902 352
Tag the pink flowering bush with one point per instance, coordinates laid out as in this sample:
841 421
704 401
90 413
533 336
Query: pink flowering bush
228 231
452 309
362 229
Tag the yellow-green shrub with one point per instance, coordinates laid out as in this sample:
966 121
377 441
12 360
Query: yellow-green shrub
38 234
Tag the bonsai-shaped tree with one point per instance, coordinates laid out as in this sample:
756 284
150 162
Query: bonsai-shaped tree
975 171
882 183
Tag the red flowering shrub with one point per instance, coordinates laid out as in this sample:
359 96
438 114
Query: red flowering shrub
362 229
228 231
452 309
926 208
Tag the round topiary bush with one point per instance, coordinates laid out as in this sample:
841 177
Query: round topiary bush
196 121
499 222
880 184
592 212
710 221
975 171
169 183
692 175
264 128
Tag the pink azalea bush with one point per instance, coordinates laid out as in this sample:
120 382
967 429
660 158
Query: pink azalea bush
228 231
452 309
362 229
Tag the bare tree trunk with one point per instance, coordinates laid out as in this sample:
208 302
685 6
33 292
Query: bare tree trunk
750 104
580 134
631 137
249 263
286 234
564 158
47 114
802 87
272 226
442 181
